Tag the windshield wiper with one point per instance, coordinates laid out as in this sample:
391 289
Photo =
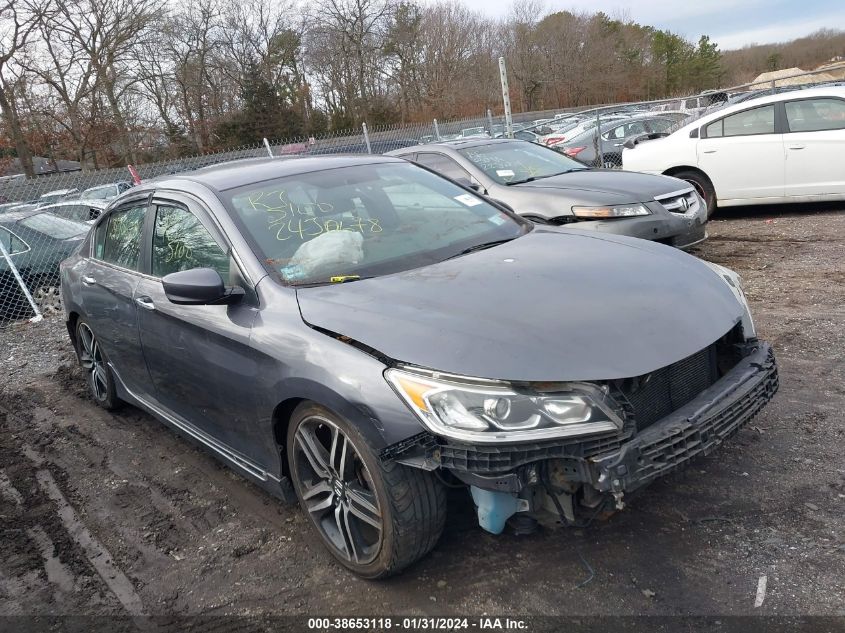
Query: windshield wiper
341 279
479 247
533 178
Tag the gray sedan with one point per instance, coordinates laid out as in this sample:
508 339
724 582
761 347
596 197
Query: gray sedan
357 332
549 188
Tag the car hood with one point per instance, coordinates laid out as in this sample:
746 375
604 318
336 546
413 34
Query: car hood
627 186
551 305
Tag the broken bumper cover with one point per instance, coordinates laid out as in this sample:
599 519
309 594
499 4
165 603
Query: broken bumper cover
616 464
697 428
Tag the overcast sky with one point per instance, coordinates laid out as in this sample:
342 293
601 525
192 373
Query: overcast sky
730 23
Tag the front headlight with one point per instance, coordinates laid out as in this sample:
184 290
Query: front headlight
734 282
475 410
617 211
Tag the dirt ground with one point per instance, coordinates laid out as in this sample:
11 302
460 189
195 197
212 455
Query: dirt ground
115 514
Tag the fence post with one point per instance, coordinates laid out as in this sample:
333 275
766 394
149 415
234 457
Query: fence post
21 283
267 147
366 138
436 130
599 148
490 121
506 98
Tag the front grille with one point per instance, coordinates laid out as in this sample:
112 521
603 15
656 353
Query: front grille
675 449
493 459
679 203
655 395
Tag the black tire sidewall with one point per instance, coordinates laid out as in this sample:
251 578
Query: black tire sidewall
111 401
701 184
380 566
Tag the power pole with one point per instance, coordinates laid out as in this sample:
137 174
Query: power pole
506 98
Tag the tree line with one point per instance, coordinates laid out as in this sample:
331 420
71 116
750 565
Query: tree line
111 82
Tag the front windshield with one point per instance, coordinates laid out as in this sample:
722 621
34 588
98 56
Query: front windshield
348 223
54 226
519 161
99 193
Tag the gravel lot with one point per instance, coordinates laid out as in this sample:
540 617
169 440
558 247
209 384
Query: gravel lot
115 514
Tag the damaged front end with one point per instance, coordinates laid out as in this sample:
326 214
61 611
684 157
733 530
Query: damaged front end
644 427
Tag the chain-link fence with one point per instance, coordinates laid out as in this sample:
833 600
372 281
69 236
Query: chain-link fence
43 219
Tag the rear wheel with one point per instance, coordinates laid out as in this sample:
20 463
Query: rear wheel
702 185
375 518
93 360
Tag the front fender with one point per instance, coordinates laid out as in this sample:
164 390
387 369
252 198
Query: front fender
297 361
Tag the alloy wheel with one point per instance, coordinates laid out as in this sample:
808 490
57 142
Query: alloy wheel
336 489
48 299
91 359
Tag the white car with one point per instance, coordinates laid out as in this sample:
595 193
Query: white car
786 147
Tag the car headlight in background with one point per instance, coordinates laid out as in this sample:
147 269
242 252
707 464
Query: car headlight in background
734 282
476 410
616 211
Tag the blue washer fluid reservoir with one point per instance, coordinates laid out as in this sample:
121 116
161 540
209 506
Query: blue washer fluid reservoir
494 508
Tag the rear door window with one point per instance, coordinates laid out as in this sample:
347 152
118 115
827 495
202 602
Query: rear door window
815 115
11 242
121 240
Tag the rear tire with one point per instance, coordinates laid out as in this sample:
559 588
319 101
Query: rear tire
95 364
375 518
702 185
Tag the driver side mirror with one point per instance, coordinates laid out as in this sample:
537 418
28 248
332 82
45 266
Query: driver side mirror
199 286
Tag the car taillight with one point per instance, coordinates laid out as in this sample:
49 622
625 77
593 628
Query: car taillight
573 151
555 140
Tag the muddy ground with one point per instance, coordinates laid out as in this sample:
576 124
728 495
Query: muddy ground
186 536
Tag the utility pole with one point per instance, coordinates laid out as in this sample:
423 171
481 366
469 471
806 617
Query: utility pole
506 98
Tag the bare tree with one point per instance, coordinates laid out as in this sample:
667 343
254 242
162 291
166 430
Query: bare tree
19 19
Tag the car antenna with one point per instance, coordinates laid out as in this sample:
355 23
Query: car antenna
267 145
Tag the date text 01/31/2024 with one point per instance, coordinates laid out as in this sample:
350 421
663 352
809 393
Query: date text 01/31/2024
417 624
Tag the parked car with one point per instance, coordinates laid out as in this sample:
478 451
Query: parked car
58 194
550 188
106 192
780 148
613 135
376 147
82 210
576 128
36 243
9 206
350 331
474 132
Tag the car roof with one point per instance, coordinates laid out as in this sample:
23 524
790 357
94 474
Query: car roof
789 95
16 216
237 173
76 202
455 145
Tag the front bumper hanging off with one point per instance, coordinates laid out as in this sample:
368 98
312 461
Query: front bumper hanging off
610 465
697 428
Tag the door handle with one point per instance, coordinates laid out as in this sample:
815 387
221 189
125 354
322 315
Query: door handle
797 146
708 151
88 281
146 303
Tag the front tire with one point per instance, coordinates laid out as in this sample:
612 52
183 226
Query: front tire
702 185
375 518
94 362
